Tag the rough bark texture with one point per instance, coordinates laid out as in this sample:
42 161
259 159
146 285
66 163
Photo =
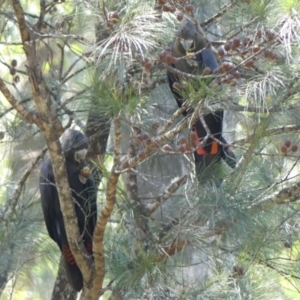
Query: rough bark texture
62 290
111 193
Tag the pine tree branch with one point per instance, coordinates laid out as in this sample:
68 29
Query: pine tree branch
285 195
30 116
270 132
12 108
241 167
274 109
149 150
118 138
131 178
188 75
40 92
140 228
242 28
281 272
98 247
19 13
167 194
218 14
171 121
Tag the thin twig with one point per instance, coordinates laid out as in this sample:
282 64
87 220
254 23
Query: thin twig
168 192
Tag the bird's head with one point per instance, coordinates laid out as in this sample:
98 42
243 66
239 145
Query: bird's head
188 38
74 144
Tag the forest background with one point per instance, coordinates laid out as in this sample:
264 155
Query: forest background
100 66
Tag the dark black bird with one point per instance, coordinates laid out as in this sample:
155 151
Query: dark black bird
188 41
74 145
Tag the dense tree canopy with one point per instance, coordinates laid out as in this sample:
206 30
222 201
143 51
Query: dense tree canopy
161 232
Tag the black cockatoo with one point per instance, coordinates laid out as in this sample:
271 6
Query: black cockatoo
188 41
83 191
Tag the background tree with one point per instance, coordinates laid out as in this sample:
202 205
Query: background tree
161 233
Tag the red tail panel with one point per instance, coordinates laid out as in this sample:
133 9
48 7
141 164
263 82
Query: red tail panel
214 148
67 253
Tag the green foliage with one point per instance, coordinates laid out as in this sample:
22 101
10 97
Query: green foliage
261 8
242 241
109 99
286 6
138 31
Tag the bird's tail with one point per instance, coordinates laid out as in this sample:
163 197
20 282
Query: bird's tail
228 155
205 164
206 155
211 153
73 273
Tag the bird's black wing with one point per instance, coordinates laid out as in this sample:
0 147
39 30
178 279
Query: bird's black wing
49 197
92 199
207 59
213 120
227 155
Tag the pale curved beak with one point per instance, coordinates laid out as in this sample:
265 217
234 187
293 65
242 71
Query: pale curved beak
80 155
186 44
